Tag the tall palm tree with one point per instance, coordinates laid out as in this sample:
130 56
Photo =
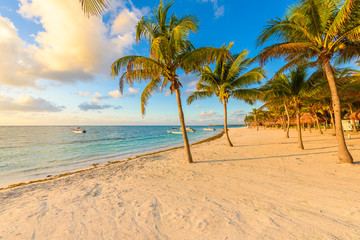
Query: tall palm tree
230 78
170 50
320 30
94 7
294 87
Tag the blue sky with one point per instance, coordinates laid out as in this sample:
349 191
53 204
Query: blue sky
55 67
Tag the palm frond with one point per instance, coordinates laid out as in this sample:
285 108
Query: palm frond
194 60
291 50
149 90
94 7
199 95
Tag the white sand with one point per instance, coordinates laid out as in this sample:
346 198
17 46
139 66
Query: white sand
263 188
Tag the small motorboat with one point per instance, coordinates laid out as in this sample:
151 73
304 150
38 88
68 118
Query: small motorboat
189 129
209 129
78 130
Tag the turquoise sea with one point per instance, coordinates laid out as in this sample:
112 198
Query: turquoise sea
30 153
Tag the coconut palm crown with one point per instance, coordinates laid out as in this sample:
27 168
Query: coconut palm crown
320 30
170 50
229 79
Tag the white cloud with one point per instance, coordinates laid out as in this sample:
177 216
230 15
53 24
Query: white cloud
187 79
219 10
115 94
16 67
192 83
95 106
133 90
204 114
125 22
69 47
189 91
197 105
26 103
238 113
167 93
85 94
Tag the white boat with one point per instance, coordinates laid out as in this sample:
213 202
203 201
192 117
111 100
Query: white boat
189 129
174 131
78 130
209 129
179 131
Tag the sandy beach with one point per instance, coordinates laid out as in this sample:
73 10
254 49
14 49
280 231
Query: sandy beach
262 188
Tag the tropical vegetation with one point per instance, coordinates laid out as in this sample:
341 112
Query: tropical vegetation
229 79
320 30
170 51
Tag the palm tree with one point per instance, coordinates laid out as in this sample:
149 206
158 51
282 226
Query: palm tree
294 88
229 79
170 50
257 114
317 29
274 98
94 7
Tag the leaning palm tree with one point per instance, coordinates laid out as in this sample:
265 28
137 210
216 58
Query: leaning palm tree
293 88
230 78
320 30
170 50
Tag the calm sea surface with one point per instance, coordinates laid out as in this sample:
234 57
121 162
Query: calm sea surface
30 153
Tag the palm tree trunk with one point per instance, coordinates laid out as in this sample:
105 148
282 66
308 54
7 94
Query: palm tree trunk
288 121
343 153
318 124
353 121
354 125
225 125
300 143
332 123
257 124
183 127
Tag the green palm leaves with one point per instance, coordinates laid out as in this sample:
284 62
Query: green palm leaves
314 29
320 30
170 50
230 78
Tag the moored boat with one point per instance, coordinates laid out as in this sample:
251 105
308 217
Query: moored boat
78 130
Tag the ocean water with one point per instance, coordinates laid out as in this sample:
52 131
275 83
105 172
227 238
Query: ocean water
30 153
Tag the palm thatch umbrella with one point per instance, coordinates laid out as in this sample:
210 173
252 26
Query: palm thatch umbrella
293 121
309 119
279 122
254 124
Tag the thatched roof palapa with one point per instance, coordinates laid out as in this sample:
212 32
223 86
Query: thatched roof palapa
308 118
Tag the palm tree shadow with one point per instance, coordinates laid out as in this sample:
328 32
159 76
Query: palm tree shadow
267 157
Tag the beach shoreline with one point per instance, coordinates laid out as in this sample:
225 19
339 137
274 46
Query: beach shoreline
109 163
262 188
